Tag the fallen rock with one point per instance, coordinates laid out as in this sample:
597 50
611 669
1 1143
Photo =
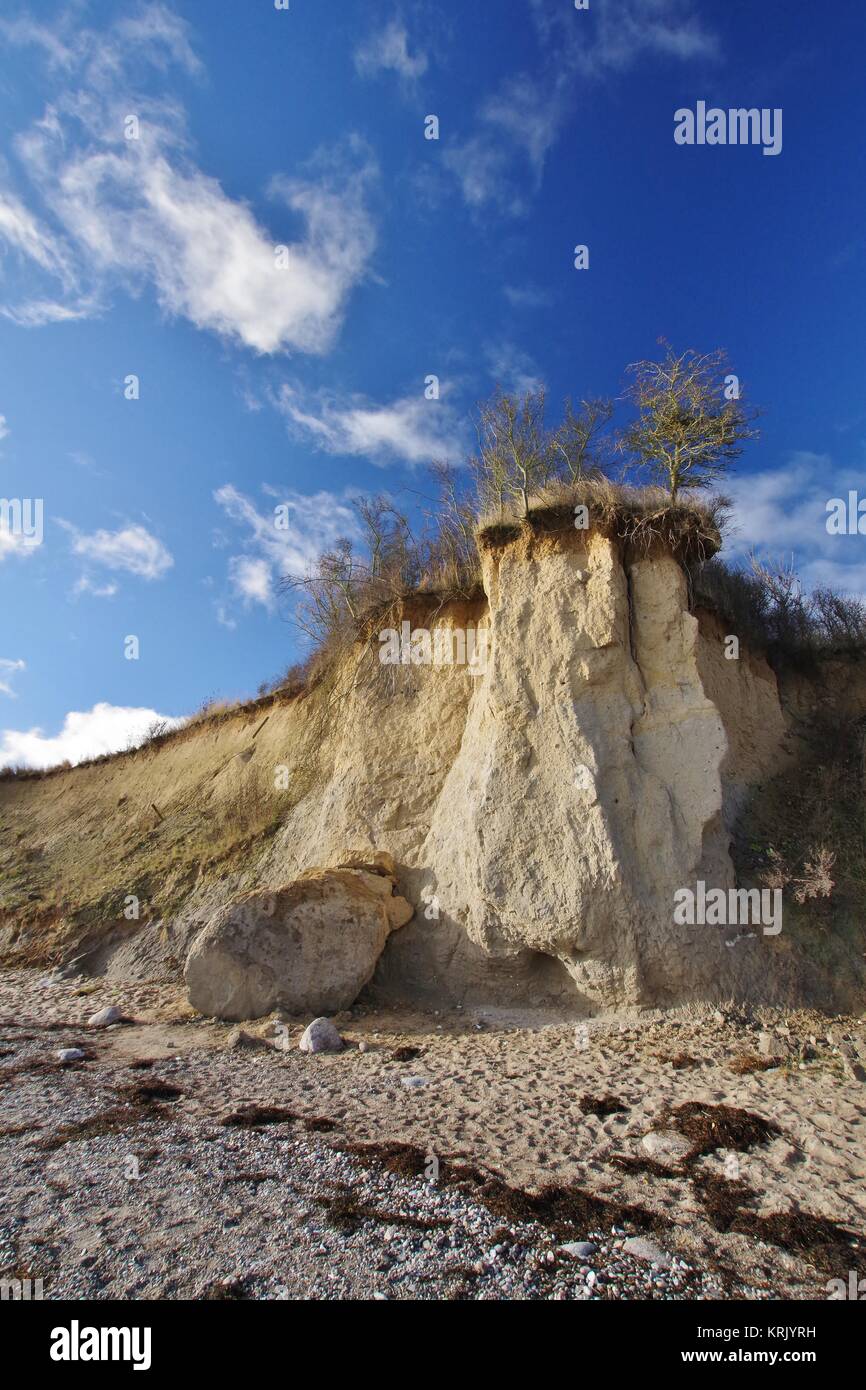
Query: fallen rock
70 1054
773 1045
309 947
666 1145
642 1249
321 1036
105 1017
579 1249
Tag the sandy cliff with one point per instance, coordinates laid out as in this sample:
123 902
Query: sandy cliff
542 812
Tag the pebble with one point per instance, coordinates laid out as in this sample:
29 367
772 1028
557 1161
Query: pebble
105 1017
642 1249
579 1249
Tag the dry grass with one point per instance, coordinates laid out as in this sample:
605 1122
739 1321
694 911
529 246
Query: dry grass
642 519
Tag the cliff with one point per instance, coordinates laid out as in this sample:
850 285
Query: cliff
543 806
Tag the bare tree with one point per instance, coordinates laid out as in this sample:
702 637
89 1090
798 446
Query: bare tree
687 431
328 593
452 552
576 445
514 458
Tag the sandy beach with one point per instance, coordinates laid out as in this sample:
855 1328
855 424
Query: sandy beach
751 1182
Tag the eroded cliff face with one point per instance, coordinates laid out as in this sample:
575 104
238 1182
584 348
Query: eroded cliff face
542 813
588 783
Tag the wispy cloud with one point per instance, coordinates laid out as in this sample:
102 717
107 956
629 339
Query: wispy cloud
527 296
86 585
410 430
283 540
520 122
387 50
85 734
517 125
131 549
512 368
614 34
128 211
7 670
4 428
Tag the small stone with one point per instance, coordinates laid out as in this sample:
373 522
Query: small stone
642 1249
413 1082
363 1047
105 1017
70 1054
579 1249
321 1036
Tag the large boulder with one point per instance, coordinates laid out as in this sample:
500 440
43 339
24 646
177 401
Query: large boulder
309 947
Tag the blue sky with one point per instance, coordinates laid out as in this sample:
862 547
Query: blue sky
262 385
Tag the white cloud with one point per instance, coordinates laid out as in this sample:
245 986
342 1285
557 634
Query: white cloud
388 50
26 233
252 579
4 428
140 211
781 514
132 549
161 34
13 543
85 734
85 585
530 114
285 540
410 430
26 32
7 671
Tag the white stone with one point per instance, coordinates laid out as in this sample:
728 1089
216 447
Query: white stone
321 1036
105 1017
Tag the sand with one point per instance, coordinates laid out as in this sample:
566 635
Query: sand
507 1093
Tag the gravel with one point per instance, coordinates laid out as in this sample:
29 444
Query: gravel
170 1203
